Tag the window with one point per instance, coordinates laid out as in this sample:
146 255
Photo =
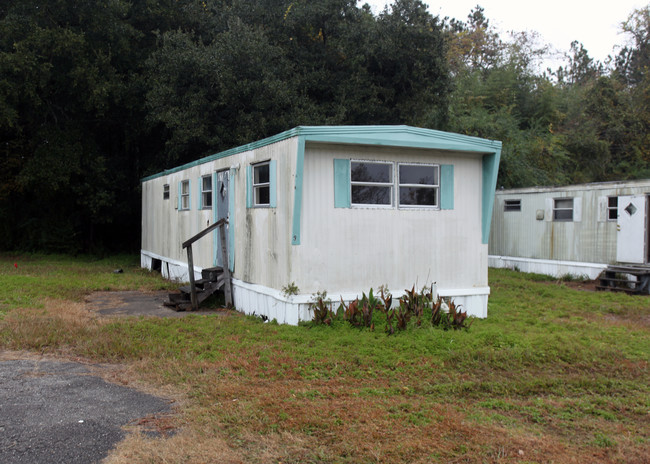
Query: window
261 184
512 205
166 192
612 208
184 203
206 192
371 183
563 209
419 185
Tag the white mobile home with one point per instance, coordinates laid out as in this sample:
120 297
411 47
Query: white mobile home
579 229
340 209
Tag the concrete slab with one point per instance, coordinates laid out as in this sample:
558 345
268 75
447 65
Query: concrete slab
136 303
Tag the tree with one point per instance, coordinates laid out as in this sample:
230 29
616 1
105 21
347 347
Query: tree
68 93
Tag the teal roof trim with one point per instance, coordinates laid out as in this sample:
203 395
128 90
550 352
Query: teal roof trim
392 136
490 172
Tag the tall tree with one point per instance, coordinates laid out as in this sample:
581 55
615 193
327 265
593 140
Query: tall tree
68 95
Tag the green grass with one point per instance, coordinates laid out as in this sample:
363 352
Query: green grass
27 279
557 373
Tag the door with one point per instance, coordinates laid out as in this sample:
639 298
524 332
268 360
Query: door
221 212
631 229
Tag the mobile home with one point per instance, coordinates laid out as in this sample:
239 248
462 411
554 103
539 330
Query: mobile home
578 229
337 209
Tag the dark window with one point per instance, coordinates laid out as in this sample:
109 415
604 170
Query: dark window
612 208
206 192
512 205
418 185
371 183
261 184
563 209
166 192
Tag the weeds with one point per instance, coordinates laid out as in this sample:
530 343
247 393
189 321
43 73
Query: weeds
290 289
321 308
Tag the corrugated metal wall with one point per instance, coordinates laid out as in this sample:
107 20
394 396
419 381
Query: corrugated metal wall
589 238
341 247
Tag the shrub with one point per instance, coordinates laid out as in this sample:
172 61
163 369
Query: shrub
321 307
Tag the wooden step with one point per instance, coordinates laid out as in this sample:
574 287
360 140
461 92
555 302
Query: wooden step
624 281
614 289
212 273
638 269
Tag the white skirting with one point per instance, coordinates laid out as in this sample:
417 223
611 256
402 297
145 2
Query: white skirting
547 266
264 301
170 268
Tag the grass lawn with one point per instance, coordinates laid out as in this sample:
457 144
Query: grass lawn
554 374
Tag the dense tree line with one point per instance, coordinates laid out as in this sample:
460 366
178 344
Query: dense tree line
95 94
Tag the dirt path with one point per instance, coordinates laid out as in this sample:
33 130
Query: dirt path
136 303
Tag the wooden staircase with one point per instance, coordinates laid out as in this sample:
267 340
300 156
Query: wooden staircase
629 279
212 280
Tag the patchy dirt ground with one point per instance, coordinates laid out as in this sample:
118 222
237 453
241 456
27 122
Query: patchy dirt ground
66 410
136 303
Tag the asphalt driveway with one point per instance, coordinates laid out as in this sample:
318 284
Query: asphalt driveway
60 412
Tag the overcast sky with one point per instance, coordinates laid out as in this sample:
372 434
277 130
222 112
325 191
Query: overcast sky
595 24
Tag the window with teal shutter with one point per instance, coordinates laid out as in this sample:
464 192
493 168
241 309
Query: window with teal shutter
417 185
261 188
205 192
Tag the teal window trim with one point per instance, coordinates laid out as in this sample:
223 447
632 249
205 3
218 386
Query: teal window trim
249 186
231 220
200 182
297 195
253 190
273 184
342 183
215 214
202 193
446 186
179 206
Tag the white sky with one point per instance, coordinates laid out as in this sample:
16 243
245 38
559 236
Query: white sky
559 22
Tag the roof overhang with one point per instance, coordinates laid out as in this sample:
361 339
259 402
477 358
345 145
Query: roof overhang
388 136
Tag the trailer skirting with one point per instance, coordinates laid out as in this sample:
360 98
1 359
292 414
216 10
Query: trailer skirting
259 300
549 267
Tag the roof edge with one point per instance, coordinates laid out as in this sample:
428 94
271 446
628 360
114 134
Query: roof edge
382 132
574 187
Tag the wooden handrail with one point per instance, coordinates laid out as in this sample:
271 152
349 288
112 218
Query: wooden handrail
204 232
190 261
